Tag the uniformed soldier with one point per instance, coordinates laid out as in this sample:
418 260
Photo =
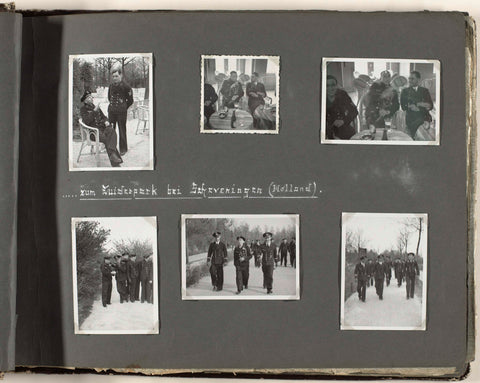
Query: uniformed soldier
216 259
361 277
132 274
146 279
231 90
210 97
398 271
120 96
283 250
122 278
93 116
411 271
379 274
388 270
257 253
269 260
370 270
293 252
241 260
138 264
107 271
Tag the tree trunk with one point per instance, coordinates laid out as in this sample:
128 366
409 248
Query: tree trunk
419 234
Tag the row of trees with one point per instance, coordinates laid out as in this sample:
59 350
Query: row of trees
91 239
199 232
89 75
411 228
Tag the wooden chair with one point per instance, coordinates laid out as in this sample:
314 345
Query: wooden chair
143 116
96 147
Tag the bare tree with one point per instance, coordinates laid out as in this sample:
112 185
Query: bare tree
359 239
415 225
403 238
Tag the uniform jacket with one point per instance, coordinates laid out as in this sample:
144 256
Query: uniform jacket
269 254
122 271
361 272
380 96
256 249
342 108
380 270
120 96
217 254
411 269
398 266
370 268
132 270
241 256
292 247
92 117
106 272
410 96
254 102
209 93
283 248
231 88
147 270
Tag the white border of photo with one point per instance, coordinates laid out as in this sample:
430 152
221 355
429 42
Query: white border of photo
325 140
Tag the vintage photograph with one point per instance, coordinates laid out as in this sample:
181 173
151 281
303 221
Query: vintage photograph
240 256
111 112
380 101
240 94
115 275
384 271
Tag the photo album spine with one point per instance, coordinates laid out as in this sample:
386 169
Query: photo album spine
10 54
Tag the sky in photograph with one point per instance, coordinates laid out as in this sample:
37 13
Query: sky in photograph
278 223
381 231
124 228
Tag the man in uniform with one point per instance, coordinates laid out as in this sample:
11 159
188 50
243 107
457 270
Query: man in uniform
256 94
210 97
283 250
93 116
231 90
379 272
388 270
241 260
361 278
122 277
120 96
417 103
398 271
146 279
269 260
106 270
370 270
411 271
216 259
138 265
257 253
293 252
132 274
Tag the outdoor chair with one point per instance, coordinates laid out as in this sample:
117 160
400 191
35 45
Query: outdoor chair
90 137
142 115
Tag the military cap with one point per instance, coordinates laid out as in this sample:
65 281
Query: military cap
85 95
217 234
267 235
411 254
107 256
240 236
132 255
362 257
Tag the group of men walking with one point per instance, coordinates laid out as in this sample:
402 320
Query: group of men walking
368 273
120 97
131 274
265 255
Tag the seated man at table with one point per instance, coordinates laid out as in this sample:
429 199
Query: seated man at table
93 116
417 103
256 104
381 101
341 112
231 90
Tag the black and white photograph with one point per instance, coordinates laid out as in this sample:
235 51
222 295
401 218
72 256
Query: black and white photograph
380 101
384 271
115 288
240 94
240 257
111 112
